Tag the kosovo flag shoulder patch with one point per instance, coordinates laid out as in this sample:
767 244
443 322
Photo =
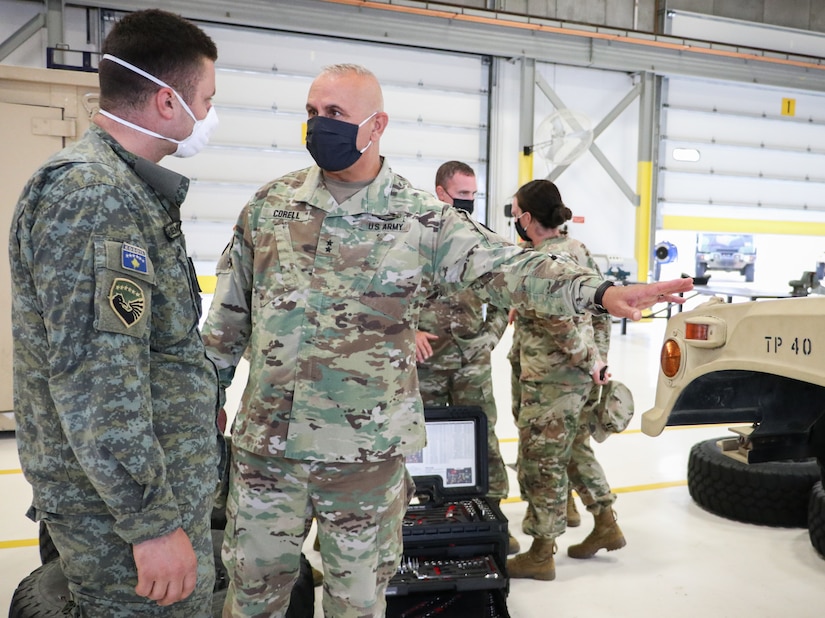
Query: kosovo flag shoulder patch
133 258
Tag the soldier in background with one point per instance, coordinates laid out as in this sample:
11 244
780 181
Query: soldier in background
114 398
556 360
323 279
573 518
456 335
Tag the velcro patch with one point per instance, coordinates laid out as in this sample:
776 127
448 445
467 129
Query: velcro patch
133 258
127 301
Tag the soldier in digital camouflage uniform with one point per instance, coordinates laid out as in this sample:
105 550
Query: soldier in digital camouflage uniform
323 280
556 361
456 335
114 398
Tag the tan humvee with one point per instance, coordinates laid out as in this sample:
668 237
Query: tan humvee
761 363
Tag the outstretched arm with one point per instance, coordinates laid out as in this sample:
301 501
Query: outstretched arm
627 301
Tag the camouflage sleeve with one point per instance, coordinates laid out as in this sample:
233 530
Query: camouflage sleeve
575 341
495 323
100 377
601 323
601 333
505 275
228 325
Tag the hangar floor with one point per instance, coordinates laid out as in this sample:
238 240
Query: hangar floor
679 561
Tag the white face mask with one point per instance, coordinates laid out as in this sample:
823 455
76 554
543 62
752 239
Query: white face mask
201 130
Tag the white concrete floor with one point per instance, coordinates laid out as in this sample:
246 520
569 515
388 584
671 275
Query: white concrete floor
679 561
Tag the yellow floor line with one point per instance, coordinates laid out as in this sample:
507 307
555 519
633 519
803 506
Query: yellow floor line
630 431
512 500
649 486
18 543
620 490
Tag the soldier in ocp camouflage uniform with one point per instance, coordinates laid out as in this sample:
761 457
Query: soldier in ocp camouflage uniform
456 335
323 280
555 362
114 398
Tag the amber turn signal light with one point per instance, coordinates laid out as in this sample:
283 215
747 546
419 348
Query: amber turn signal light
696 331
671 358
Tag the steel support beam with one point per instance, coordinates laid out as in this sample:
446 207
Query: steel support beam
487 32
21 35
647 176
526 114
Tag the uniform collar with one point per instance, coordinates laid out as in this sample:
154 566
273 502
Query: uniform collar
372 199
168 184
555 240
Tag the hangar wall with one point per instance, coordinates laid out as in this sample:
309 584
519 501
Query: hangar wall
589 72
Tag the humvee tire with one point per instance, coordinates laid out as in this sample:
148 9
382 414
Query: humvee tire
816 519
774 493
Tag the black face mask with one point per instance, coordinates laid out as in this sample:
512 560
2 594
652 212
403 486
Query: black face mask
466 205
332 142
521 231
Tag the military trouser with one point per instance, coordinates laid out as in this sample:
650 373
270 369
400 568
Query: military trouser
100 567
359 509
552 443
471 385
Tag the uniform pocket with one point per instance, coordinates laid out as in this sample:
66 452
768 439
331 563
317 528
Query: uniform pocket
124 280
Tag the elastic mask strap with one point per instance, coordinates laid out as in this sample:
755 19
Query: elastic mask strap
132 125
159 82
364 149
366 120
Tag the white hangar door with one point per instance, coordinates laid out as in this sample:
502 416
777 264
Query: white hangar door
585 134
437 105
743 159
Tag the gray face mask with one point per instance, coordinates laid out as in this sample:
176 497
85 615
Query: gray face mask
201 130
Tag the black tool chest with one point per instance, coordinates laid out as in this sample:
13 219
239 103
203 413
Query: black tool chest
455 539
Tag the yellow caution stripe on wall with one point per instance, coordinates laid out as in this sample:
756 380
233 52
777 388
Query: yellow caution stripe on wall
742 226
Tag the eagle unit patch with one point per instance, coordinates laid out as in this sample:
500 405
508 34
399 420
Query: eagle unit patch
133 258
127 300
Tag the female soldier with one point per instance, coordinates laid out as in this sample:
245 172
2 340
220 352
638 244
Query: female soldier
556 361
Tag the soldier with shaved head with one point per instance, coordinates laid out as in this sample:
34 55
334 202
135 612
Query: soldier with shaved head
323 280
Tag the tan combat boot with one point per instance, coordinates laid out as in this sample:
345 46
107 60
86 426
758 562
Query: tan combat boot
513 546
574 520
606 534
536 563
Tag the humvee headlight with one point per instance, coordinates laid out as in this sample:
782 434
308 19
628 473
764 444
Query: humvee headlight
671 358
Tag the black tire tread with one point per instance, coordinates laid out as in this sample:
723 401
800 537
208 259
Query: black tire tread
771 494
816 518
